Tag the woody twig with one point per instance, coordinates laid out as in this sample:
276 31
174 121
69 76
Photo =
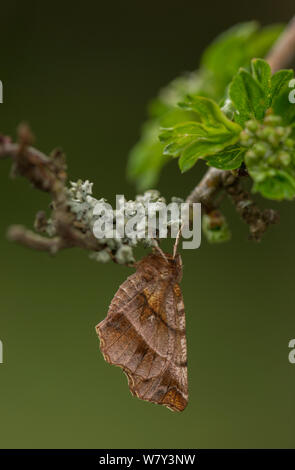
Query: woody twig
47 173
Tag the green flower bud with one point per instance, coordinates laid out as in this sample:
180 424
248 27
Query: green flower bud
289 143
251 155
264 132
274 139
246 139
280 131
270 157
273 120
284 158
252 125
260 149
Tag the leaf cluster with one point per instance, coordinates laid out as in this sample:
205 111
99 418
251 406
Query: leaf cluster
255 126
147 158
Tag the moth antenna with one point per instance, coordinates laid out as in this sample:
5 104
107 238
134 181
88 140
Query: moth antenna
177 242
156 246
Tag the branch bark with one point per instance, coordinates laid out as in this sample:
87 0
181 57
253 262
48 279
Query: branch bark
257 219
283 52
25 237
207 189
49 174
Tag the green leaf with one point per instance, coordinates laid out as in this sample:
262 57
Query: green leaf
198 139
278 186
231 50
282 106
261 72
282 102
177 115
230 43
234 49
146 158
180 136
228 159
198 150
209 113
248 97
278 81
252 94
262 40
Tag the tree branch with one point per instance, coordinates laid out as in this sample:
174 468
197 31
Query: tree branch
207 189
25 237
283 52
257 219
47 173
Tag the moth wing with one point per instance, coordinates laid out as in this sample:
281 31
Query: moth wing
144 334
134 336
178 390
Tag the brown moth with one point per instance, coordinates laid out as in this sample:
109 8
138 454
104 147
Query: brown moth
144 332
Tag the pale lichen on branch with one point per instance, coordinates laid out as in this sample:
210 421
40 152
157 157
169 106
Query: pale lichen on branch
72 219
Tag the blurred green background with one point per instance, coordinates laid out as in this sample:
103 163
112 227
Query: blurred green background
81 74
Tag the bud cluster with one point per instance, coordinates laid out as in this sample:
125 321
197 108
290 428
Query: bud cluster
270 158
